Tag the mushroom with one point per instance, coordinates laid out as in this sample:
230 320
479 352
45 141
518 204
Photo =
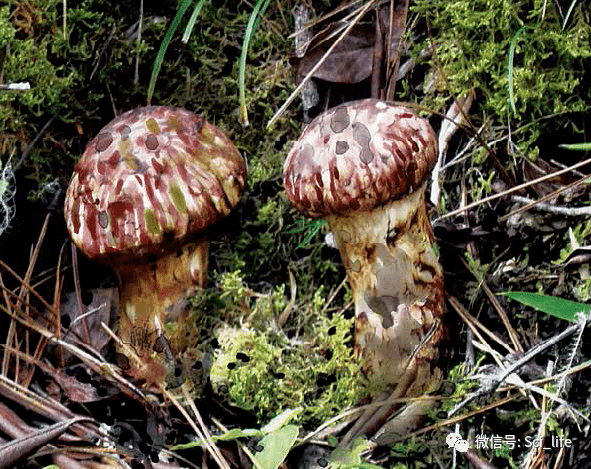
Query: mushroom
363 166
141 197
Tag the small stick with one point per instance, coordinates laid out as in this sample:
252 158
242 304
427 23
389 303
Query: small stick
378 54
513 189
22 86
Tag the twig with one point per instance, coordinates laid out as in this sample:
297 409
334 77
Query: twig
22 86
553 194
496 380
211 448
78 291
559 210
136 77
37 137
378 55
514 189
241 445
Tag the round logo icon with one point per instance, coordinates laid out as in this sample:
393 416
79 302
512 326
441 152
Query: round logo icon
455 441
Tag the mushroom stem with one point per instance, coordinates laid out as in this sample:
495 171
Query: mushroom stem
397 287
154 294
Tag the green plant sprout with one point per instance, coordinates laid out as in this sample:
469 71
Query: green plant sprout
311 226
253 21
278 438
350 458
512 46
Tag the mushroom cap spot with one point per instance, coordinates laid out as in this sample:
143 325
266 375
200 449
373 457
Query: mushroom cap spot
152 179
340 120
366 153
103 141
151 142
152 125
341 147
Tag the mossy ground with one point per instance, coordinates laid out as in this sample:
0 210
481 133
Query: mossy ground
82 68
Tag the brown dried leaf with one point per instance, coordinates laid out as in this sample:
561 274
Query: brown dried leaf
79 384
350 62
99 305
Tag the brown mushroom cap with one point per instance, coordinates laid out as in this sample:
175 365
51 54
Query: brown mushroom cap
357 156
152 177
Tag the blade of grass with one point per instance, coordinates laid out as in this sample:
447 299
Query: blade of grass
192 20
576 146
568 13
552 305
183 6
512 46
259 9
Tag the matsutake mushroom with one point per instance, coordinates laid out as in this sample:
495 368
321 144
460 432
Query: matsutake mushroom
362 166
141 197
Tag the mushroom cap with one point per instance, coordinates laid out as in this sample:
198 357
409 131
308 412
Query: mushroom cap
358 155
149 180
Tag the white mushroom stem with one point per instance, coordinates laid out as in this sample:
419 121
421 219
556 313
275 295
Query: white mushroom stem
397 286
155 293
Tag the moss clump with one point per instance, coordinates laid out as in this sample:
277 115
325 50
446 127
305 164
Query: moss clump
473 39
266 369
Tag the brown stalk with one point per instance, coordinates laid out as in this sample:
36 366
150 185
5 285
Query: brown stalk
78 291
398 23
503 315
27 287
378 55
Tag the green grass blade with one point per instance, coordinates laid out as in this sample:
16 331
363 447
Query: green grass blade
512 46
183 6
568 13
259 8
552 305
576 146
192 21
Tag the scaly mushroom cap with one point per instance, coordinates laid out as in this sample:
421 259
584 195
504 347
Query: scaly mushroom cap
357 156
148 180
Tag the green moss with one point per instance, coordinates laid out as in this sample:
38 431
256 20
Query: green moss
310 366
473 40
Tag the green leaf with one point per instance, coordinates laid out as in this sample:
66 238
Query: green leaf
281 420
276 445
576 146
552 305
350 458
